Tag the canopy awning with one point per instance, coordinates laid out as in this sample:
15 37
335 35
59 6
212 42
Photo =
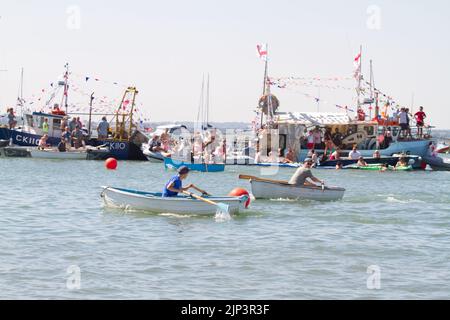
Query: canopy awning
313 118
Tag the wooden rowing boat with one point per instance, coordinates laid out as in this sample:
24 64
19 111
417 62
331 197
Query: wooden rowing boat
154 202
57 155
277 189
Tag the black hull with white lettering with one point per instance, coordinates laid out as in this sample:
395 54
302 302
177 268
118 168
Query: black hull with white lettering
121 150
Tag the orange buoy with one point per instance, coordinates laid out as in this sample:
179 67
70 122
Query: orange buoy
111 164
237 192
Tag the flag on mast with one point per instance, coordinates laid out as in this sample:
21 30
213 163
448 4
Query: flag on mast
357 63
262 51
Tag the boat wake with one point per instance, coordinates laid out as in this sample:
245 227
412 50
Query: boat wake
222 216
395 200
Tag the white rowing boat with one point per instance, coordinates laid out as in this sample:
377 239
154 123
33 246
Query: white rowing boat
154 202
55 154
274 189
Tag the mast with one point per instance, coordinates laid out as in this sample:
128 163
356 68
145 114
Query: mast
90 113
207 103
66 88
265 81
359 76
372 84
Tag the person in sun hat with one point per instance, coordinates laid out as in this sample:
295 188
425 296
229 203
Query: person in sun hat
175 184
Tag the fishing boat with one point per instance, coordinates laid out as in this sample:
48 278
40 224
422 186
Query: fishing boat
124 141
174 164
154 202
277 189
437 163
374 125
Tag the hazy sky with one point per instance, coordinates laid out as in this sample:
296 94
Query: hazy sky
164 48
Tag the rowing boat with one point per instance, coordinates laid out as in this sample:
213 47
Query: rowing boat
154 202
170 163
277 189
55 154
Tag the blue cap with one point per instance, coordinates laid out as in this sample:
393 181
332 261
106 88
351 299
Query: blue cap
183 170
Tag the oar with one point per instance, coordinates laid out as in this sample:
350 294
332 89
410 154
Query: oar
247 177
221 207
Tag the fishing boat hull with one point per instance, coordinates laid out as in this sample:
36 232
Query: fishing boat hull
438 163
170 163
154 202
121 150
273 190
15 152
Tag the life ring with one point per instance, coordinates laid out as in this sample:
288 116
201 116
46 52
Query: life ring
264 103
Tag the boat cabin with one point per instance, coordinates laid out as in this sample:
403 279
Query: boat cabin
33 123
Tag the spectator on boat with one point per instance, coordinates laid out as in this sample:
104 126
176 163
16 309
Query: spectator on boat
403 121
336 155
337 137
155 144
67 135
408 120
102 129
317 137
45 126
290 156
11 119
361 162
64 123
257 153
299 178
376 154
384 167
175 184
310 140
221 151
62 147
420 118
361 115
354 154
43 142
339 165
72 124
77 137
165 140
79 123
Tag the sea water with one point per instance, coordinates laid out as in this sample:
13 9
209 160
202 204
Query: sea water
389 238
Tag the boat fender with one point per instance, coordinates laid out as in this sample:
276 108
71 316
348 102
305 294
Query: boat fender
239 192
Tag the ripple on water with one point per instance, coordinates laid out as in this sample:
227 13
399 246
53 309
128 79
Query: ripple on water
52 217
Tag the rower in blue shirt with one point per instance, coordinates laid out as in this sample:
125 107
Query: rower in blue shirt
175 184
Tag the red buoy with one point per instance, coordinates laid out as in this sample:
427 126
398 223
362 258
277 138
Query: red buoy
111 164
237 192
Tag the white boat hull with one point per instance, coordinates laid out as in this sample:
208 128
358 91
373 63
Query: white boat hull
52 154
153 202
272 190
